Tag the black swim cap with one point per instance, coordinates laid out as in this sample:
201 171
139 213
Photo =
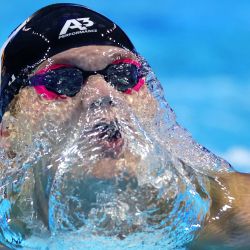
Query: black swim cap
48 31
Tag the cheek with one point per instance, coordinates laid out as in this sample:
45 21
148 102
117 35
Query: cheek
143 103
35 112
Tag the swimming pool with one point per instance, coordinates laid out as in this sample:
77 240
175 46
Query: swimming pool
200 47
193 202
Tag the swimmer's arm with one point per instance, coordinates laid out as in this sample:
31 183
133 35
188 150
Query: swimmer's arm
239 186
237 189
229 221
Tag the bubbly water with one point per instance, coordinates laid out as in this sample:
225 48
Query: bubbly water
77 185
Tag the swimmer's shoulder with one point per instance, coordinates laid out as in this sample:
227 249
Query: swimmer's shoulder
228 224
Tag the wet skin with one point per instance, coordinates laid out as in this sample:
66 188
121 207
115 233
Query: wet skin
62 112
36 113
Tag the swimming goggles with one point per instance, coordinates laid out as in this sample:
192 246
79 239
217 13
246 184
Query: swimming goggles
62 80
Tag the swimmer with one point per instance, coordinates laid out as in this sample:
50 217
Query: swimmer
90 145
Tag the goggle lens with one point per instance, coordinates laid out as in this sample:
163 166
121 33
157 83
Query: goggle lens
122 76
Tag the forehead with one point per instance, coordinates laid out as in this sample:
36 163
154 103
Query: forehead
89 57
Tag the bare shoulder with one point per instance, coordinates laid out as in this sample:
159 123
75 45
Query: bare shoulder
228 224
237 185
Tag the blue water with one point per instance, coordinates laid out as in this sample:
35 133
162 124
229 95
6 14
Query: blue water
199 50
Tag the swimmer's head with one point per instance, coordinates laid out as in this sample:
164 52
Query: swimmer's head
68 69
47 32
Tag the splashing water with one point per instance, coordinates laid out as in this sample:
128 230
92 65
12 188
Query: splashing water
104 178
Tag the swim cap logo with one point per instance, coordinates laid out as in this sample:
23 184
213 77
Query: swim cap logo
79 24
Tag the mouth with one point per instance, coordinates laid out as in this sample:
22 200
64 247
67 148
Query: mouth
110 139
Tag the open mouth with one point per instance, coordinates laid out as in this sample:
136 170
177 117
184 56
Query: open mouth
109 138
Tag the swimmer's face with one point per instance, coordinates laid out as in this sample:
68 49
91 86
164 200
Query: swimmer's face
97 110
94 89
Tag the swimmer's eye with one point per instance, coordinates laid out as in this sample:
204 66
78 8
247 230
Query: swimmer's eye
60 80
124 75
57 81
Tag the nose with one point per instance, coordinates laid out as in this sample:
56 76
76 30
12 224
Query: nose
97 92
105 101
